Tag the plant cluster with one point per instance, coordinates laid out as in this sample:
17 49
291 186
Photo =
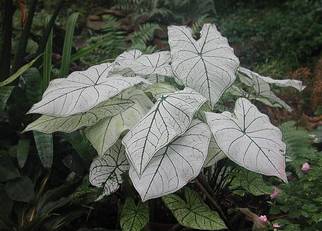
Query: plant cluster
154 117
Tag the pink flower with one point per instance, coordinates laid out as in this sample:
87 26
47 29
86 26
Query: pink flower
306 167
275 193
276 226
263 219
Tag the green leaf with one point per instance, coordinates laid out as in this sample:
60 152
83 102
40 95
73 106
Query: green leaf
193 213
5 93
32 78
44 144
47 60
68 44
8 170
6 203
50 124
20 189
22 151
251 182
134 216
18 73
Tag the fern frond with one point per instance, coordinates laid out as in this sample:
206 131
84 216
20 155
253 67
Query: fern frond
143 36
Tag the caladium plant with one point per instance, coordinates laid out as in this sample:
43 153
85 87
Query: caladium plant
154 116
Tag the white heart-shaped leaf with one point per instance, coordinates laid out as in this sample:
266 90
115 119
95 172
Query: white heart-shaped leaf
146 64
168 118
50 124
82 90
249 139
106 171
207 65
107 131
173 166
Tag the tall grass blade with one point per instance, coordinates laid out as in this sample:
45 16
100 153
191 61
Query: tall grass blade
68 43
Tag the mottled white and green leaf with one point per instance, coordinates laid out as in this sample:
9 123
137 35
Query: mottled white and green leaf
50 124
173 166
106 171
249 139
107 131
134 216
170 117
207 65
193 212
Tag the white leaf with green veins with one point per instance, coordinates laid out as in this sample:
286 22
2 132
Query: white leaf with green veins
170 117
159 89
82 90
106 171
134 217
249 139
157 63
193 212
173 166
107 131
50 124
207 65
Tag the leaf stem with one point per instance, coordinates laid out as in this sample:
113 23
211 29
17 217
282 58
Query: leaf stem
202 186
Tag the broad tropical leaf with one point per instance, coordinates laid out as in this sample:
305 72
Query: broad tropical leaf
214 153
261 85
207 65
50 124
175 165
193 213
159 89
20 189
45 148
250 181
82 90
146 64
107 131
248 138
168 118
134 216
106 171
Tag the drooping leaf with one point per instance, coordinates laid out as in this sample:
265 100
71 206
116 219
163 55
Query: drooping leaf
134 216
251 182
33 85
249 139
20 189
44 144
5 93
50 124
168 118
146 64
173 166
207 65
82 90
261 85
193 212
106 132
214 153
23 151
106 171
18 73
47 59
